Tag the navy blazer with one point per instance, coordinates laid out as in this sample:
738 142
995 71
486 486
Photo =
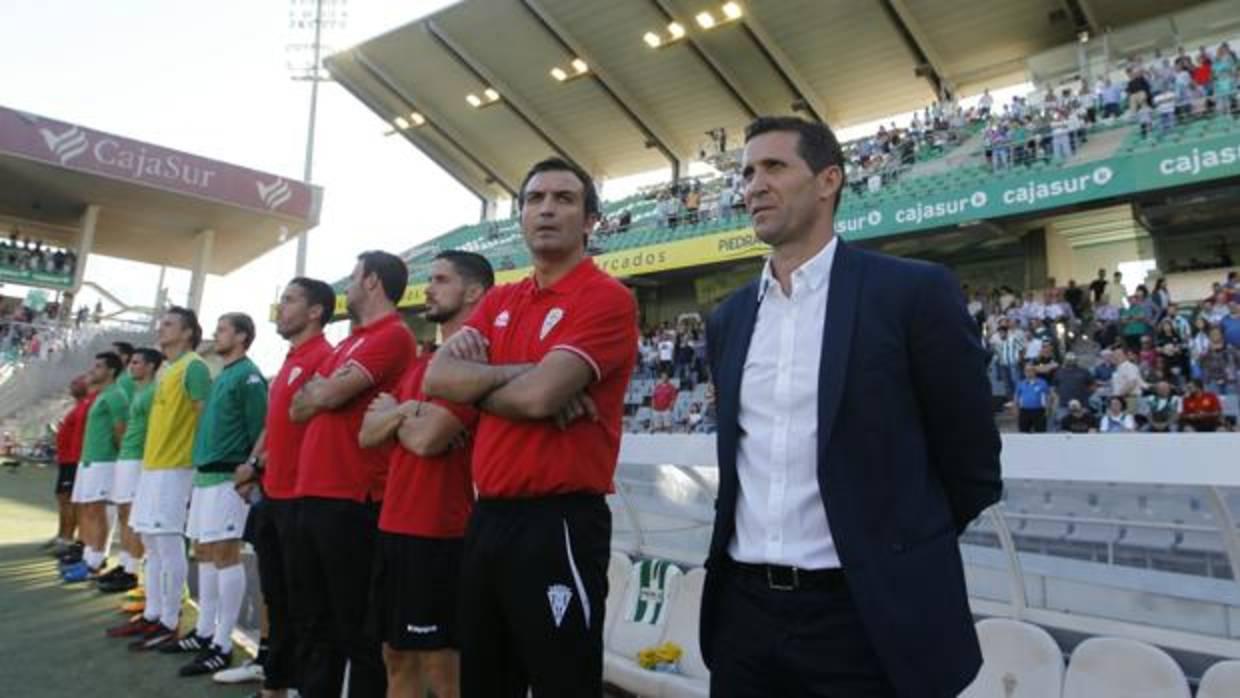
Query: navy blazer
908 455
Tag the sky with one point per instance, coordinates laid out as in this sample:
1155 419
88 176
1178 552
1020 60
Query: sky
211 79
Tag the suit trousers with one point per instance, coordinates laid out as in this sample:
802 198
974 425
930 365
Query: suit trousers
802 643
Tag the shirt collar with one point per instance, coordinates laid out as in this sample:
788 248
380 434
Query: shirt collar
379 324
569 283
813 273
306 346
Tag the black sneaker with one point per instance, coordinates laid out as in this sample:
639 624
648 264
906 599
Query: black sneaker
153 640
191 643
121 582
72 554
111 574
208 662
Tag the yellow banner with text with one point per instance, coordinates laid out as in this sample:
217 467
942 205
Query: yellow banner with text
726 246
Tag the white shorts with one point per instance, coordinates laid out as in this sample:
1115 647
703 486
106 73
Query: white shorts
125 480
216 513
162 501
93 483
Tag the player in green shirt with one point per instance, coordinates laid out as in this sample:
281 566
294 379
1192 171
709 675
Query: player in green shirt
105 424
232 419
143 364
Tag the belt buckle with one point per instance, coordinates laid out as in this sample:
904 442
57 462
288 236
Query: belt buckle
779 585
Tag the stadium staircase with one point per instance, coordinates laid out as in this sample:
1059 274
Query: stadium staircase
30 389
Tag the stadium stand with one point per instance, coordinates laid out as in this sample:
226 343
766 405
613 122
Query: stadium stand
1019 660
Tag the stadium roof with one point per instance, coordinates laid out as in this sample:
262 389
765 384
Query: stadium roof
153 202
473 85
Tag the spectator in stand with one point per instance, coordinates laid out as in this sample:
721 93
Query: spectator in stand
1009 348
1117 418
662 404
1200 410
1163 408
1135 322
1230 325
1032 398
693 420
683 360
667 352
1220 364
1126 381
1044 364
1172 352
1078 420
1072 382
1074 296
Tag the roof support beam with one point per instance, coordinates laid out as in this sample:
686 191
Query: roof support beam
536 122
785 67
428 148
656 135
433 120
730 84
930 64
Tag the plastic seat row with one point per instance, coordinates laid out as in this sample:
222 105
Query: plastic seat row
1021 660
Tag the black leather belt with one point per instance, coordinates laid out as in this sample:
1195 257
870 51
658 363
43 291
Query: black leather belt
783 578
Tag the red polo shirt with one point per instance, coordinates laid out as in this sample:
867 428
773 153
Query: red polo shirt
429 497
72 431
284 436
591 315
331 464
1201 403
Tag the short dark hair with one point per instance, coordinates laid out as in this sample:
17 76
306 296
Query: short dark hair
817 144
113 362
125 349
241 323
154 357
472 267
318 293
189 321
592 205
391 270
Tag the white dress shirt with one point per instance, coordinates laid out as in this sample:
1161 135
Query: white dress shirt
780 518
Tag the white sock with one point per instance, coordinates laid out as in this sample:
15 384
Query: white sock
175 568
123 560
130 563
208 599
109 523
232 593
93 558
154 572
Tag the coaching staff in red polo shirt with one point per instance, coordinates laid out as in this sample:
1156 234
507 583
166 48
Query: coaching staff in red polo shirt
546 360
340 484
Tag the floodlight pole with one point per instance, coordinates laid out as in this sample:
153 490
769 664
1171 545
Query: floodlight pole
314 104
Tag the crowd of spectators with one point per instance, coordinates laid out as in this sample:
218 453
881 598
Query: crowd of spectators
1158 367
23 254
671 361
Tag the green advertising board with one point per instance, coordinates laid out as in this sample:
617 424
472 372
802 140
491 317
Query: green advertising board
1023 191
34 278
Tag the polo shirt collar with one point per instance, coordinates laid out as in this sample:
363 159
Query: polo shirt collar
571 281
377 324
305 346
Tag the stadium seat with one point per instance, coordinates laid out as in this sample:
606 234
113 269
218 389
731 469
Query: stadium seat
641 624
682 629
1110 667
1020 660
619 568
1221 680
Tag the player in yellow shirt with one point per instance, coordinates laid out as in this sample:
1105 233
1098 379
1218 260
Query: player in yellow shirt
162 500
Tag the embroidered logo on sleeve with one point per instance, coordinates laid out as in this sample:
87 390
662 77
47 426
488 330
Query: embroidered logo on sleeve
553 318
559 596
292 375
501 320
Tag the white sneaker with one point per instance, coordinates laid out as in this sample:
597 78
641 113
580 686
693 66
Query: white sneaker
249 672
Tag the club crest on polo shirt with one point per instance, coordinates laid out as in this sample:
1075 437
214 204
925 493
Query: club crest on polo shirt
553 318
501 320
559 596
292 374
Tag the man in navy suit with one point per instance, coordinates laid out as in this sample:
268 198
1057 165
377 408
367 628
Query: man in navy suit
855 443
